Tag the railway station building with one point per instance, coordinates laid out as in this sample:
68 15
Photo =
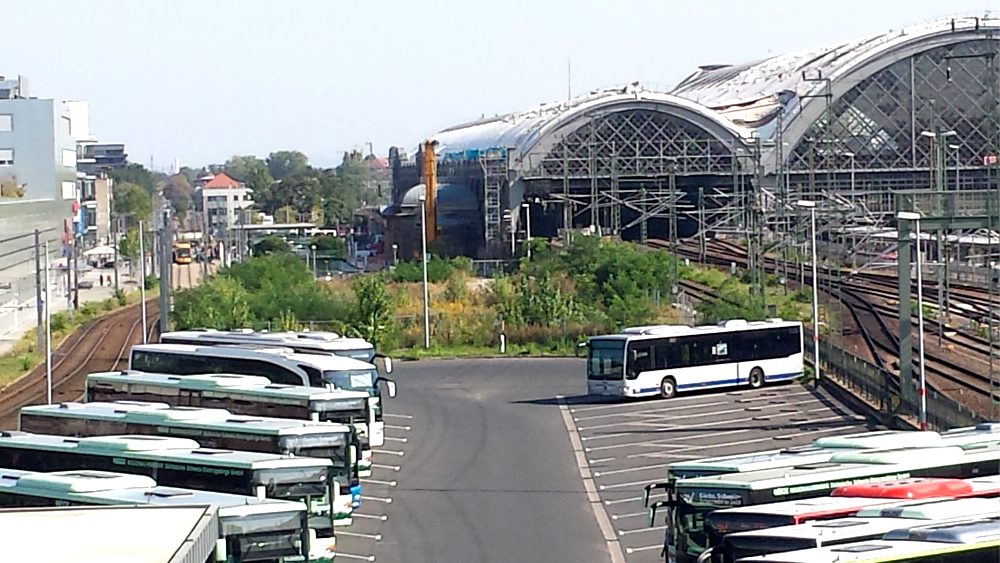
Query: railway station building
727 151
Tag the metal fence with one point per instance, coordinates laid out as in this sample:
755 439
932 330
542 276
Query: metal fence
880 389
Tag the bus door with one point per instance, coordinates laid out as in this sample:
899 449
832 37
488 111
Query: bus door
726 371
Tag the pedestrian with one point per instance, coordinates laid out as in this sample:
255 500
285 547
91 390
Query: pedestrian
100 279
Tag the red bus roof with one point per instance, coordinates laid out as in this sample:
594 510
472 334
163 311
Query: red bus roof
908 489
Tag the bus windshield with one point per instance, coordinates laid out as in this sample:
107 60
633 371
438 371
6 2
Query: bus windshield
362 354
720 523
605 359
293 483
353 380
693 506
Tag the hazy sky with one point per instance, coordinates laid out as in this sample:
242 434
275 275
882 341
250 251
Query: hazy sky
204 80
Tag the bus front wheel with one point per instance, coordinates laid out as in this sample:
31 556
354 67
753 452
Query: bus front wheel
756 379
668 388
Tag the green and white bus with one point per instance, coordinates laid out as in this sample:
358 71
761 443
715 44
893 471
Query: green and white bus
180 462
241 394
697 497
973 541
821 450
212 428
278 364
250 529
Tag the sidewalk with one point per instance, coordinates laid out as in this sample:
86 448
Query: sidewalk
17 304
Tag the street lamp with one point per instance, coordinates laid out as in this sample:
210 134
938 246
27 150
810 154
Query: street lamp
395 249
423 256
527 229
956 148
915 217
314 268
811 206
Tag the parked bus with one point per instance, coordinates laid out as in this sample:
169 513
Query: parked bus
212 428
697 497
244 395
180 462
182 252
279 365
250 528
302 342
821 450
974 541
662 360
871 523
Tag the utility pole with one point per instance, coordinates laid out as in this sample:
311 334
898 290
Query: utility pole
165 245
38 289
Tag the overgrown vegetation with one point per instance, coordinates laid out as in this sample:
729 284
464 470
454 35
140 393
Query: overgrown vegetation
551 303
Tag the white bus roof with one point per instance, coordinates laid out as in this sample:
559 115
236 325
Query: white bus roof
232 385
850 467
101 534
735 325
187 417
320 362
822 449
982 529
181 450
105 487
810 505
979 434
934 510
872 550
321 341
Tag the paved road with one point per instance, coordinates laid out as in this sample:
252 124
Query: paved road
489 474
500 455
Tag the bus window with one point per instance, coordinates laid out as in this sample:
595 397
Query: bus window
640 359
315 375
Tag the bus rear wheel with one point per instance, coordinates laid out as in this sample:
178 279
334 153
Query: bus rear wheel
668 388
756 379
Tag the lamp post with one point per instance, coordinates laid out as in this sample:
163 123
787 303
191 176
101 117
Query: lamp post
395 250
956 148
48 329
811 206
142 283
423 257
314 267
915 217
527 229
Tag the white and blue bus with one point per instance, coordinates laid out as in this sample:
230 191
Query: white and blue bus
662 360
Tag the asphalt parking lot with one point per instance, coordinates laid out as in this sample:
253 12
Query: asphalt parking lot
622 446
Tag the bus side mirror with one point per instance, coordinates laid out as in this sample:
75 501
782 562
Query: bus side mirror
391 385
583 345
652 511
352 454
387 362
650 488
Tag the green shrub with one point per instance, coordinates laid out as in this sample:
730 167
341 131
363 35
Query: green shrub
88 311
59 321
150 282
108 305
120 296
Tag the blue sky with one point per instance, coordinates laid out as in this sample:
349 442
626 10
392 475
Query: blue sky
204 80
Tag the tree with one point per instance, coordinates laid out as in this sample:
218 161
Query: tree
128 245
373 308
259 180
133 202
192 174
271 244
330 246
221 303
178 192
137 174
301 192
282 164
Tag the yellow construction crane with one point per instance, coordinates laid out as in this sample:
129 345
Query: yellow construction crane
430 191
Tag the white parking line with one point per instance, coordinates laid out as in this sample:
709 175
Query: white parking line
600 514
393 427
381 517
629 404
630 470
624 485
602 436
640 530
702 415
361 557
390 415
729 421
631 515
631 550
387 500
633 499
389 467
638 413
602 460
389 452
392 439
376 537
377 482
752 441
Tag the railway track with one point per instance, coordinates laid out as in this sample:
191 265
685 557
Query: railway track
99 345
957 366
